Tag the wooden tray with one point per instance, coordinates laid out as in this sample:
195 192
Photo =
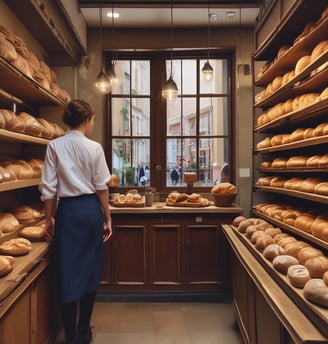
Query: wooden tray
124 205
317 314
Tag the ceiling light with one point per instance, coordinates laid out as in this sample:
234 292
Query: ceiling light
102 81
113 14
170 89
230 14
207 69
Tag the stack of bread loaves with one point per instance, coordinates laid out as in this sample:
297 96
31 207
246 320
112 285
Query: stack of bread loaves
298 260
224 194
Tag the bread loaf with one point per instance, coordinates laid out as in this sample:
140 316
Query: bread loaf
293 248
321 188
323 161
283 262
321 129
32 126
316 291
47 130
296 161
297 135
16 247
318 50
6 265
20 168
302 63
304 222
24 213
312 161
263 241
307 29
309 184
298 275
224 188
319 228
307 253
272 251
8 223
279 163
32 232
325 278
317 266
13 122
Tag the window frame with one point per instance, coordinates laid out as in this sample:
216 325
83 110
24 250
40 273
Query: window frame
158 106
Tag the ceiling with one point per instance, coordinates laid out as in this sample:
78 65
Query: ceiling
153 14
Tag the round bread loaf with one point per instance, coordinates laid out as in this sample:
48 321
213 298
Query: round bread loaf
296 161
224 188
309 184
263 241
236 221
293 183
312 161
280 236
316 291
24 213
285 241
6 265
323 161
272 231
304 223
293 248
307 253
279 162
317 266
319 228
256 235
283 262
8 223
272 251
298 275
318 50
321 188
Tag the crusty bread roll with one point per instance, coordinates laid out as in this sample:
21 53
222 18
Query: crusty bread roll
224 188
319 228
279 162
256 235
280 236
289 216
323 161
316 291
16 247
33 232
24 213
32 126
272 231
293 183
263 241
37 165
312 161
324 93
284 241
302 63
293 248
318 50
114 180
309 184
47 130
272 251
13 122
7 50
304 222
298 275
282 262
297 135
236 221
307 253
321 188
6 265
277 182
317 266
8 223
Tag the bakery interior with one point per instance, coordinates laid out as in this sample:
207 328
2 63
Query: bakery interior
256 244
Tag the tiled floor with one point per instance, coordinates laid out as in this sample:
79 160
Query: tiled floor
163 323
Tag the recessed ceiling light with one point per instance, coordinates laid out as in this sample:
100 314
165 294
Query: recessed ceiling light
230 14
110 14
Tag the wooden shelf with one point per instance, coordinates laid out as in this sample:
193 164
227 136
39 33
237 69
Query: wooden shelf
17 83
294 319
295 193
288 61
294 145
24 138
18 184
300 169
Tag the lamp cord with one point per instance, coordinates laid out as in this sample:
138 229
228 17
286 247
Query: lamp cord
208 30
171 38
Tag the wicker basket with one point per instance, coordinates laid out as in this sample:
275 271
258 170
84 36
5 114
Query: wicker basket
221 200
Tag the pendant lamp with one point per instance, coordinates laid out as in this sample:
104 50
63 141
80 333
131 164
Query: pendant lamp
170 89
207 69
102 81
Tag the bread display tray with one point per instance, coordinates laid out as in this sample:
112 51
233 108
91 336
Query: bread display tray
22 266
317 314
125 205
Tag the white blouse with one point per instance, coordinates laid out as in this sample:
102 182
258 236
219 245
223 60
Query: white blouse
74 165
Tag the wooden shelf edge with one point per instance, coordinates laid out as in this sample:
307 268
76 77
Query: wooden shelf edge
18 184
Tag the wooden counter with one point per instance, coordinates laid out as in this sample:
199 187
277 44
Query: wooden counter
168 249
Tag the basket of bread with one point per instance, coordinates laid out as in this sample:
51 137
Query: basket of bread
224 194
131 199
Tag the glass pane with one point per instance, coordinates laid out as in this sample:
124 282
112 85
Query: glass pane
173 162
140 116
120 116
189 116
213 116
130 161
123 74
218 158
219 82
140 162
173 117
140 78
189 82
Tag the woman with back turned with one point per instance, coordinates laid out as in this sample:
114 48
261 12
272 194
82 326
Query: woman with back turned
75 172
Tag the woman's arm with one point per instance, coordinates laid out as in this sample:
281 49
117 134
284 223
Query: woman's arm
104 200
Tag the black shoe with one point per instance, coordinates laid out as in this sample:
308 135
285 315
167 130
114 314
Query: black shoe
84 336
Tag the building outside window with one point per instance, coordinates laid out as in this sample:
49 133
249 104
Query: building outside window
147 137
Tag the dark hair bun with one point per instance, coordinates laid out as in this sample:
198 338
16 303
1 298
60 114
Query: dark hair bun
76 112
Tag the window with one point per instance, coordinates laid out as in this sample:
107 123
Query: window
151 142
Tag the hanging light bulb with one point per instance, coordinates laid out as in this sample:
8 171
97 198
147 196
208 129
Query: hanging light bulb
207 69
102 82
170 89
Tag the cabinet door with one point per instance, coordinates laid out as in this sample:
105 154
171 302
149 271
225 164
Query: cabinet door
165 264
129 255
15 325
203 254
